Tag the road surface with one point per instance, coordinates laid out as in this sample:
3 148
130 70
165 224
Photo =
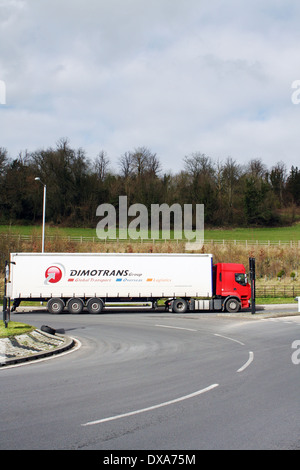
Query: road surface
157 381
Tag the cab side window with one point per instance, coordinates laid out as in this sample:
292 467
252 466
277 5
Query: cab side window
241 278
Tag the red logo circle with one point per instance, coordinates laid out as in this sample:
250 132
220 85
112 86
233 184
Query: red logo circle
53 274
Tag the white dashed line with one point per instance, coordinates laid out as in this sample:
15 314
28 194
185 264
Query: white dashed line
251 356
231 339
154 407
176 327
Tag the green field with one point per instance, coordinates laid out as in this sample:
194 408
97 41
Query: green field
272 234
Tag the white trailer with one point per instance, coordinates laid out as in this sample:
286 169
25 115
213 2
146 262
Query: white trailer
96 280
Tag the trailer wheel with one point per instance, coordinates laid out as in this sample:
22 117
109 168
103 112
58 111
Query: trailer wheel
94 305
233 305
75 305
179 306
55 305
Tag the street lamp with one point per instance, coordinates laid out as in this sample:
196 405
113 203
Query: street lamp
44 212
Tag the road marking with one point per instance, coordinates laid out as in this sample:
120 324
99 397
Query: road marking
251 356
154 407
231 339
176 327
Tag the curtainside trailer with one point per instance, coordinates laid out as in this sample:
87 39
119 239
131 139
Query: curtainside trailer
92 282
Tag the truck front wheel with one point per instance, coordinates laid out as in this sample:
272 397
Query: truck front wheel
233 305
55 305
179 306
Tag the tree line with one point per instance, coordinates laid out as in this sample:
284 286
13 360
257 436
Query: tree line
233 194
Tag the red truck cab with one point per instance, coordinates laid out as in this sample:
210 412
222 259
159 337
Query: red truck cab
231 285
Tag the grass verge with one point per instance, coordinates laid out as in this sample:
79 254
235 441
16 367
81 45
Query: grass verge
14 329
275 300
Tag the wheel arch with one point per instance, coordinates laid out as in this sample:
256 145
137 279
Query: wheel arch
235 300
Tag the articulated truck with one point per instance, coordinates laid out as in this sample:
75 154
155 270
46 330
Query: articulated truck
92 282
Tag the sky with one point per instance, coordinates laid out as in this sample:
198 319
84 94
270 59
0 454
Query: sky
175 76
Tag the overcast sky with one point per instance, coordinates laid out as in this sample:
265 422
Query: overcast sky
176 76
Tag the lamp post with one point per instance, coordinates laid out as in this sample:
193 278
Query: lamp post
44 212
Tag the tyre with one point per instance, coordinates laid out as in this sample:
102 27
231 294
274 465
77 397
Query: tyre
48 329
94 305
75 305
179 306
55 305
233 305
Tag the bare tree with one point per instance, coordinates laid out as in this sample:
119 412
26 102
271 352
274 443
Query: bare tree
154 165
256 168
101 165
126 164
139 162
278 177
3 160
197 164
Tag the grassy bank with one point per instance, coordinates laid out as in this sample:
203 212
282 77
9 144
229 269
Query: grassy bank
276 265
272 262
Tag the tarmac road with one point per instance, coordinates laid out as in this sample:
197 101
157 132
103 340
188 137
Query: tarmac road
155 381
